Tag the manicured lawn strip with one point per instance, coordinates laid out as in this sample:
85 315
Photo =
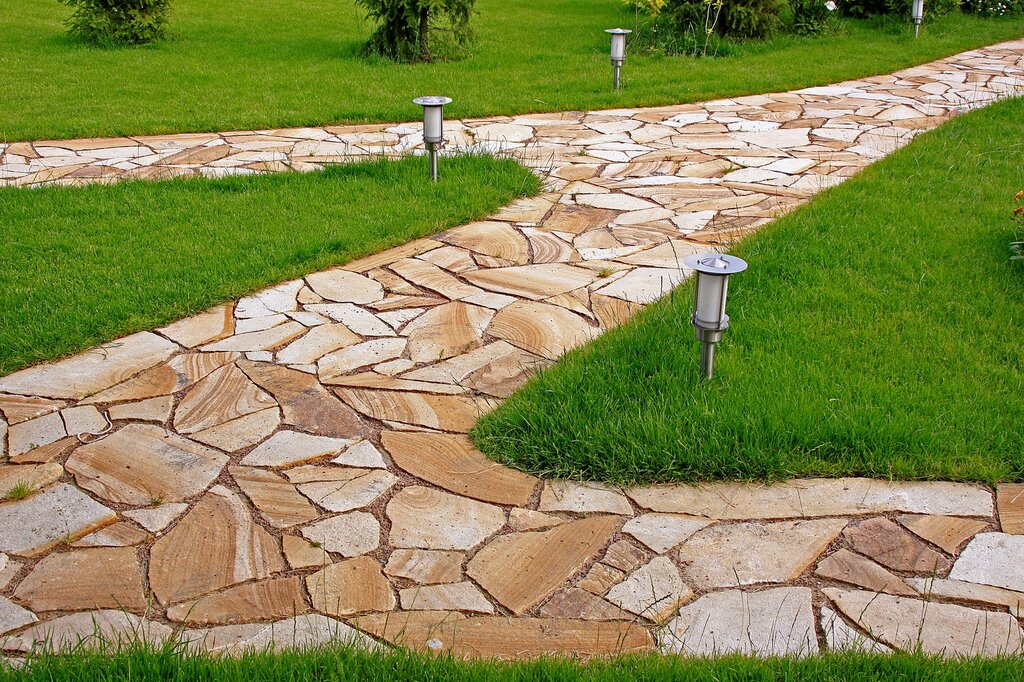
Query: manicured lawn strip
336 665
877 333
270 63
83 265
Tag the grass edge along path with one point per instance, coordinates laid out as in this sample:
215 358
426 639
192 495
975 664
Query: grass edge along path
84 265
876 333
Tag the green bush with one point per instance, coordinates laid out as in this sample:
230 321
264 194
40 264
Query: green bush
118 22
418 30
896 8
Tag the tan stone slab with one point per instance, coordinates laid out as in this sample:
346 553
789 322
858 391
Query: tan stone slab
175 375
99 578
208 326
432 278
970 592
578 219
276 499
583 498
413 248
13 616
528 519
342 489
349 535
20 408
216 545
654 591
91 631
446 330
624 556
290 448
242 432
854 569
948 532
425 518
141 464
522 569
390 383
444 412
815 497
91 371
351 587
891 546
451 462
317 343
542 329
197 156
932 628
772 552
425 566
534 282
155 519
496 239
25 437
464 596
121 534
992 559
268 339
345 286
31 476
271 599
579 604
223 395
152 409
301 553
662 532
1011 507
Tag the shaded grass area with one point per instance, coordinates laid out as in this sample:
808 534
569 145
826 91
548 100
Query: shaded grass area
268 63
341 664
83 265
877 332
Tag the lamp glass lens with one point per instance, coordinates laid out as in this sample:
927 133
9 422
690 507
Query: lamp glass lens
432 129
711 292
618 46
918 9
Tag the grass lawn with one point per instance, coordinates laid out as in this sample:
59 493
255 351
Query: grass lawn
337 665
877 332
267 63
83 265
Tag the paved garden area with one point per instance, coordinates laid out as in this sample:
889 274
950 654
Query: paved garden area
293 465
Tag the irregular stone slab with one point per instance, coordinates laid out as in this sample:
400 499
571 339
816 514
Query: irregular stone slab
424 566
815 497
92 631
57 514
534 282
210 325
31 476
624 556
157 518
644 285
1011 507
276 499
270 599
317 343
153 410
242 432
662 532
776 622
216 545
772 552
11 568
298 633
496 369
35 433
992 559
443 412
20 408
305 404
99 578
972 592
527 519
841 637
506 638
350 587
363 454
267 339
540 328
462 596
341 362
522 569
577 603
343 286
847 567
430 519
891 546
451 462
175 375
301 553
13 616
342 489
141 464
929 627
446 330
349 535
948 532
288 448
91 371
654 591
495 239
221 396
359 320
583 498
122 534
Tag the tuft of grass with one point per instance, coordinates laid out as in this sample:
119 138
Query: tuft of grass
289 63
876 333
19 491
84 265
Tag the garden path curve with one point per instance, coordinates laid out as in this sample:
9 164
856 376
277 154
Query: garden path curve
292 466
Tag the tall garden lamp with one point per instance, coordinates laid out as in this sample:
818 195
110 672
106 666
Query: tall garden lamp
917 13
709 318
433 127
618 50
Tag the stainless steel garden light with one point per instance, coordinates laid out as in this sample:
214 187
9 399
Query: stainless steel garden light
917 13
618 50
709 318
433 127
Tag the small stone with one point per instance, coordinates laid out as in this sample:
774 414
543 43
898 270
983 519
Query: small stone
948 532
424 566
583 498
462 596
208 326
156 519
99 578
93 631
654 591
274 598
527 519
662 532
60 513
153 409
842 637
342 362
349 535
276 499
624 556
120 534
342 489
891 546
301 553
343 286
992 559
362 454
430 519
955 589
847 567
1010 501
83 420
350 587
288 448
35 433
13 616
600 578
32 476
576 603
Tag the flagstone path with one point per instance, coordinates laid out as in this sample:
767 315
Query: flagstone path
293 466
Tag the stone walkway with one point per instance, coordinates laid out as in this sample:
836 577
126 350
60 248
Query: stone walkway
292 466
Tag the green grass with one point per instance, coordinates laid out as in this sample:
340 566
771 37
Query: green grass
336 665
266 63
877 332
82 265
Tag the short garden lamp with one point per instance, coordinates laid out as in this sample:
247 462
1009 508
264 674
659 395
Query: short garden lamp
917 13
709 318
618 49
433 127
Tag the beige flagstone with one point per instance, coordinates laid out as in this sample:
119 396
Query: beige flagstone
298 633
894 547
176 374
34 477
1011 507
95 578
542 329
948 532
341 489
992 559
444 412
842 637
343 286
349 534
301 553
425 518
92 631
654 591
13 616
276 499
580 604
317 343
56 514
350 587
446 330
208 326
532 281
221 396
854 569
662 532
122 534
583 498
270 599
969 592
19 408
499 240
425 566
462 596
288 448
